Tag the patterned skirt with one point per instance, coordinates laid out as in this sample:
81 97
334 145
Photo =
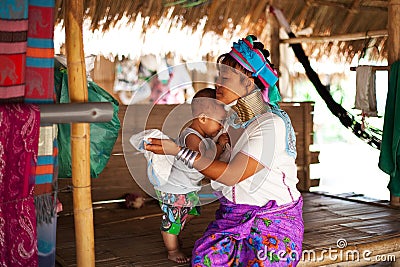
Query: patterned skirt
246 235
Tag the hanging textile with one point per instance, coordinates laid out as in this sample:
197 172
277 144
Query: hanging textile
389 158
46 174
13 39
102 135
19 135
46 195
27 75
27 51
366 91
40 52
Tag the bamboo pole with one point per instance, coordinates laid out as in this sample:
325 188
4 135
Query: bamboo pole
394 52
80 137
340 37
274 49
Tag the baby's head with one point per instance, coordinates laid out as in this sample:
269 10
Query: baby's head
209 111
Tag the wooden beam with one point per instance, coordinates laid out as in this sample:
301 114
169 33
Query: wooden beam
80 137
341 37
274 39
303 13
364 7
350 16
374 68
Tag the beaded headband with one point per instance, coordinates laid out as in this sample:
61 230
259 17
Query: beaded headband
254 61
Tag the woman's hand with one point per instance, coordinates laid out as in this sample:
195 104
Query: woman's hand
162 146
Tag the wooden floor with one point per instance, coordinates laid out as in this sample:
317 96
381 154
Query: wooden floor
128 237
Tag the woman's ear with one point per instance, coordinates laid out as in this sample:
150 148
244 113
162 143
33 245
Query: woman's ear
250 85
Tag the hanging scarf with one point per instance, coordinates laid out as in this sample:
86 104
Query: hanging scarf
13 41
19 136
40 52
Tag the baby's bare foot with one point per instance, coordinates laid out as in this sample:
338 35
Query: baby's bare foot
178 256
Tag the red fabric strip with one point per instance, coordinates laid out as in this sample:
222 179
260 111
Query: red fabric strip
13 48
12 91
13 25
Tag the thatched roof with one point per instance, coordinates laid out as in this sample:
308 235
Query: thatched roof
226 17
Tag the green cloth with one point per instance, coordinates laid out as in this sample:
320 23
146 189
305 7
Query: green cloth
389 158
103 135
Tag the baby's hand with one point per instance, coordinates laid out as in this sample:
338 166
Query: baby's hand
223 139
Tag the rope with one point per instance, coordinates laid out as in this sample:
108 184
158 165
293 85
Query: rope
373 138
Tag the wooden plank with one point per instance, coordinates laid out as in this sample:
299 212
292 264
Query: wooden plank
314 157
314 182
131 236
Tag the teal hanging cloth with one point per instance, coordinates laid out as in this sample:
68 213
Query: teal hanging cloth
389 158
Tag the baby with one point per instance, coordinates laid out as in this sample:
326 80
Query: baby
178 197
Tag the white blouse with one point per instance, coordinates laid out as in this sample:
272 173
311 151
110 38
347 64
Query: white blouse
265 141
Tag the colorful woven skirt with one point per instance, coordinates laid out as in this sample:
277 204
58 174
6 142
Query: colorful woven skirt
246 235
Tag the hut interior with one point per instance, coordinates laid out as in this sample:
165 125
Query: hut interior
328 31
335 35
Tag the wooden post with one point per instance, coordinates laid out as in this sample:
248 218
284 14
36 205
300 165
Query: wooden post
80 137
393 44
275 52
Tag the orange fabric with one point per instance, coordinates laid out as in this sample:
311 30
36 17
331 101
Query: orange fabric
40 52
44 169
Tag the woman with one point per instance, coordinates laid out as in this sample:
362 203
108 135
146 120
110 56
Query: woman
259 221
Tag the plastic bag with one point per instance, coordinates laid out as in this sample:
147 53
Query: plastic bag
102 135
158 166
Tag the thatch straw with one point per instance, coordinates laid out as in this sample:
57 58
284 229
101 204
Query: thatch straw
324 17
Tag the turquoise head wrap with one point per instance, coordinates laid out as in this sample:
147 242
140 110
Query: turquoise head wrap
253 60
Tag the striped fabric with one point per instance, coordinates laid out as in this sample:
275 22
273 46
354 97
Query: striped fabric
27 75
46 175
40 52
13 43
47 155
27 51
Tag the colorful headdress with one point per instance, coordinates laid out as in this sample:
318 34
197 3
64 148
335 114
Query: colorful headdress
253 60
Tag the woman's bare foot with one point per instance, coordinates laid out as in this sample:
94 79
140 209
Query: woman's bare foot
178 256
